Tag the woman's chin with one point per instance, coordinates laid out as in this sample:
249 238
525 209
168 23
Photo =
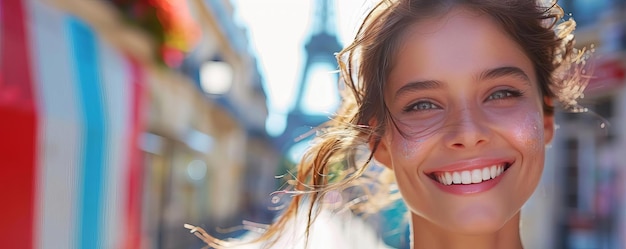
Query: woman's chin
478 222
476 227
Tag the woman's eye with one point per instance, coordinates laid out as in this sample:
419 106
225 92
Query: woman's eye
503 94
421 106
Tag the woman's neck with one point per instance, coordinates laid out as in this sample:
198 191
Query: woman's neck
428 235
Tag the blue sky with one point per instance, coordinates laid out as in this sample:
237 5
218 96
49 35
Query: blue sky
278 29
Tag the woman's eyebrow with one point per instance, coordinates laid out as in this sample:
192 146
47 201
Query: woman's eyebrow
499 72
416 86
488 74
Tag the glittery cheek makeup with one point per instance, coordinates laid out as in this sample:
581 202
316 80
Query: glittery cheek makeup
410 146
528 132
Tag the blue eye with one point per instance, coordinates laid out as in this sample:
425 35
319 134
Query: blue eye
504 94
421 106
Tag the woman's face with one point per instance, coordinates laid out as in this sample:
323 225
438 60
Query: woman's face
468 149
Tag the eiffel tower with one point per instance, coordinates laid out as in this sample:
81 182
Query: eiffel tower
320 49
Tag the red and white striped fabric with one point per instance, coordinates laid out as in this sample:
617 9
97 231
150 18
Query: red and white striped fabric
69 121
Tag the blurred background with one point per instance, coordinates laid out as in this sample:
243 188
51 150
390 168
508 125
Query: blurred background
121 120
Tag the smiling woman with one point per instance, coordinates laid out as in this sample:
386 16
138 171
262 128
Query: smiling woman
454 97
458 109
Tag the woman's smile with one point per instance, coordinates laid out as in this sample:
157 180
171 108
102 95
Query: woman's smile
470 176
470 171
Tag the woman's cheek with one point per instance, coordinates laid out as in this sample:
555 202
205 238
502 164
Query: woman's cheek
407 147
527 130
410 147
409 142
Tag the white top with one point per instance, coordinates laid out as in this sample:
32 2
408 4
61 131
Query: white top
330 230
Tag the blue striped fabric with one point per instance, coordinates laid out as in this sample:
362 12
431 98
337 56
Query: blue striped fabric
88 84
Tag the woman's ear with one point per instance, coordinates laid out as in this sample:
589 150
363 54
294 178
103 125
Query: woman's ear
378 145
381 151
548 122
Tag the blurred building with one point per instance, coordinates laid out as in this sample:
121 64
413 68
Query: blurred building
581 200
124 119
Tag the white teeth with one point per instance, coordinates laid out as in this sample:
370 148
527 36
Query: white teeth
470 177
466 177
477 176
456 177
486 175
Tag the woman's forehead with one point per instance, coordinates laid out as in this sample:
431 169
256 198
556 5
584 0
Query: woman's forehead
457 44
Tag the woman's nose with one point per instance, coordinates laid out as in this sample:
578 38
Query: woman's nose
467 129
